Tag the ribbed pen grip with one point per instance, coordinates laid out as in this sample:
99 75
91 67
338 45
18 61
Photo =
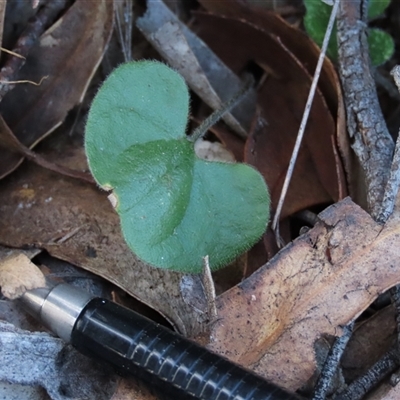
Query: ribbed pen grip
175 364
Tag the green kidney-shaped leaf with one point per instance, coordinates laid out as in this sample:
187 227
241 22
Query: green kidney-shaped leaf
377 7
174 207
316 20
381 46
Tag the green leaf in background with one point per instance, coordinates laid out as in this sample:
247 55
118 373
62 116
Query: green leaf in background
377 7
316 20
174 207
381 46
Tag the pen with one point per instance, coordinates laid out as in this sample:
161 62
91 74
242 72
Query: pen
106 331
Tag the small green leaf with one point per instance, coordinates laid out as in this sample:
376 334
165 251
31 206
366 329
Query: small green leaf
174 207
381 46
316 20
377 7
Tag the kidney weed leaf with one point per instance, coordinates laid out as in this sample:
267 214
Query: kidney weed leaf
175 208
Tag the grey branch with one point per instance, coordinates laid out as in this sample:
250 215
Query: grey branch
367 129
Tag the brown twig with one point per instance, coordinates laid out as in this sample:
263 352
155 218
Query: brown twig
395 296
393 183
392 187
331 364
360 387
367 129
27 40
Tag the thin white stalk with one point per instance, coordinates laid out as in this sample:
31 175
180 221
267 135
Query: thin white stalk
299 139
124 28
209 290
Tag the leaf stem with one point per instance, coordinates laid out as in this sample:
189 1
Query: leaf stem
201 130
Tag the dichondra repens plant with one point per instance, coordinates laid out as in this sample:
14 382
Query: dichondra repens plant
175 208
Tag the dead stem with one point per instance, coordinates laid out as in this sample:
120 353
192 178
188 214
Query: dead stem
201 130
331 364
366 126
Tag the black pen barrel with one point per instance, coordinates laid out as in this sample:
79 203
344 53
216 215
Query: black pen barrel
135 344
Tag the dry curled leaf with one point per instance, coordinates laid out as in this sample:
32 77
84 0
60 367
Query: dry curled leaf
70 51
385 391
18 274
314 286
75 222
371 339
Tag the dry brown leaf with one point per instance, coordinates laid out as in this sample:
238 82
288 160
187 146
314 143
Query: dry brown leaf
314 286
369 342
128 388
18 274
75 222
385 391
233 143
13 144
294 39
212 151
69 54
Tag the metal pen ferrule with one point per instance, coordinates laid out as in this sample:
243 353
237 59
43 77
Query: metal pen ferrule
57 308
